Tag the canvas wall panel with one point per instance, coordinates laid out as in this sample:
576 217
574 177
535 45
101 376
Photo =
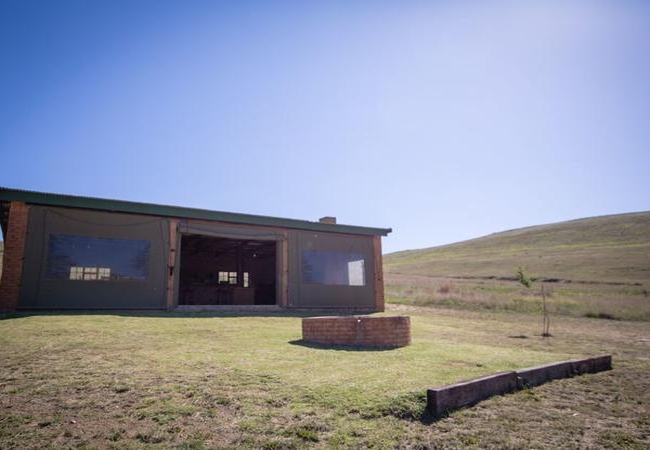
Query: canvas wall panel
123 267
329 270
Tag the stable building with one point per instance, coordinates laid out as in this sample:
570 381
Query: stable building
71 252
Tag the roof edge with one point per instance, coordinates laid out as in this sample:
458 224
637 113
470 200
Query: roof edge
125 206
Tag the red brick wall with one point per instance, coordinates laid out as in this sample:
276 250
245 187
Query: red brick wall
366 331
12 263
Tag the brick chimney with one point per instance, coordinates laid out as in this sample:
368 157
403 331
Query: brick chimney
328 219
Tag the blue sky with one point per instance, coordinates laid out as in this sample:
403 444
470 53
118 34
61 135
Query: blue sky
445 120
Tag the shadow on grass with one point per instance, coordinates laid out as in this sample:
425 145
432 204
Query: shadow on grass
420 414
156 313
344 348
409 407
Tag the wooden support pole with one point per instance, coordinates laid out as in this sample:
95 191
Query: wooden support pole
282 269
171 263
240 264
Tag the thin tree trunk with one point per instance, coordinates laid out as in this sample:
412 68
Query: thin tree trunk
547 320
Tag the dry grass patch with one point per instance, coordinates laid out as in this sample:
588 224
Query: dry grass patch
608 301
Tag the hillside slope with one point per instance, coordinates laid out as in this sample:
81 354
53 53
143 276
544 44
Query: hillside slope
609 249
595 267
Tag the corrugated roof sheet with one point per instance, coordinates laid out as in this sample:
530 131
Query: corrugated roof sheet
74 201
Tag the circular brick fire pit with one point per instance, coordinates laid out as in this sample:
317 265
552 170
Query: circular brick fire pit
364 331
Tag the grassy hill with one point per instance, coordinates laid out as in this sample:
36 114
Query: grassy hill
594 266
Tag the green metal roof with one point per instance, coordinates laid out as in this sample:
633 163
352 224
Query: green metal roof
102 204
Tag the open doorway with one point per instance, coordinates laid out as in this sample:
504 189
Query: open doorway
221 271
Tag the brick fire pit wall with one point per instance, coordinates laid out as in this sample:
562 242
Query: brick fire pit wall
364 331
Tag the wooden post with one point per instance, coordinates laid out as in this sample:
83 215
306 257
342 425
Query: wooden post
282 277
171 262
240 264
378 272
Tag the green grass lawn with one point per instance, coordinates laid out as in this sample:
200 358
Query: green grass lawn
228 381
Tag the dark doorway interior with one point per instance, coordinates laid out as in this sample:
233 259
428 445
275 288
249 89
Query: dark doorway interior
220 271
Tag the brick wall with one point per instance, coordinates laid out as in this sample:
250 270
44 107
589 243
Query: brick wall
365 331
12 263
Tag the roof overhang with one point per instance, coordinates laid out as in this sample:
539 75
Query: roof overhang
122 206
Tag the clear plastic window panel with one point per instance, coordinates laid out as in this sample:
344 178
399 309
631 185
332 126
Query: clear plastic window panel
332 268
94 258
